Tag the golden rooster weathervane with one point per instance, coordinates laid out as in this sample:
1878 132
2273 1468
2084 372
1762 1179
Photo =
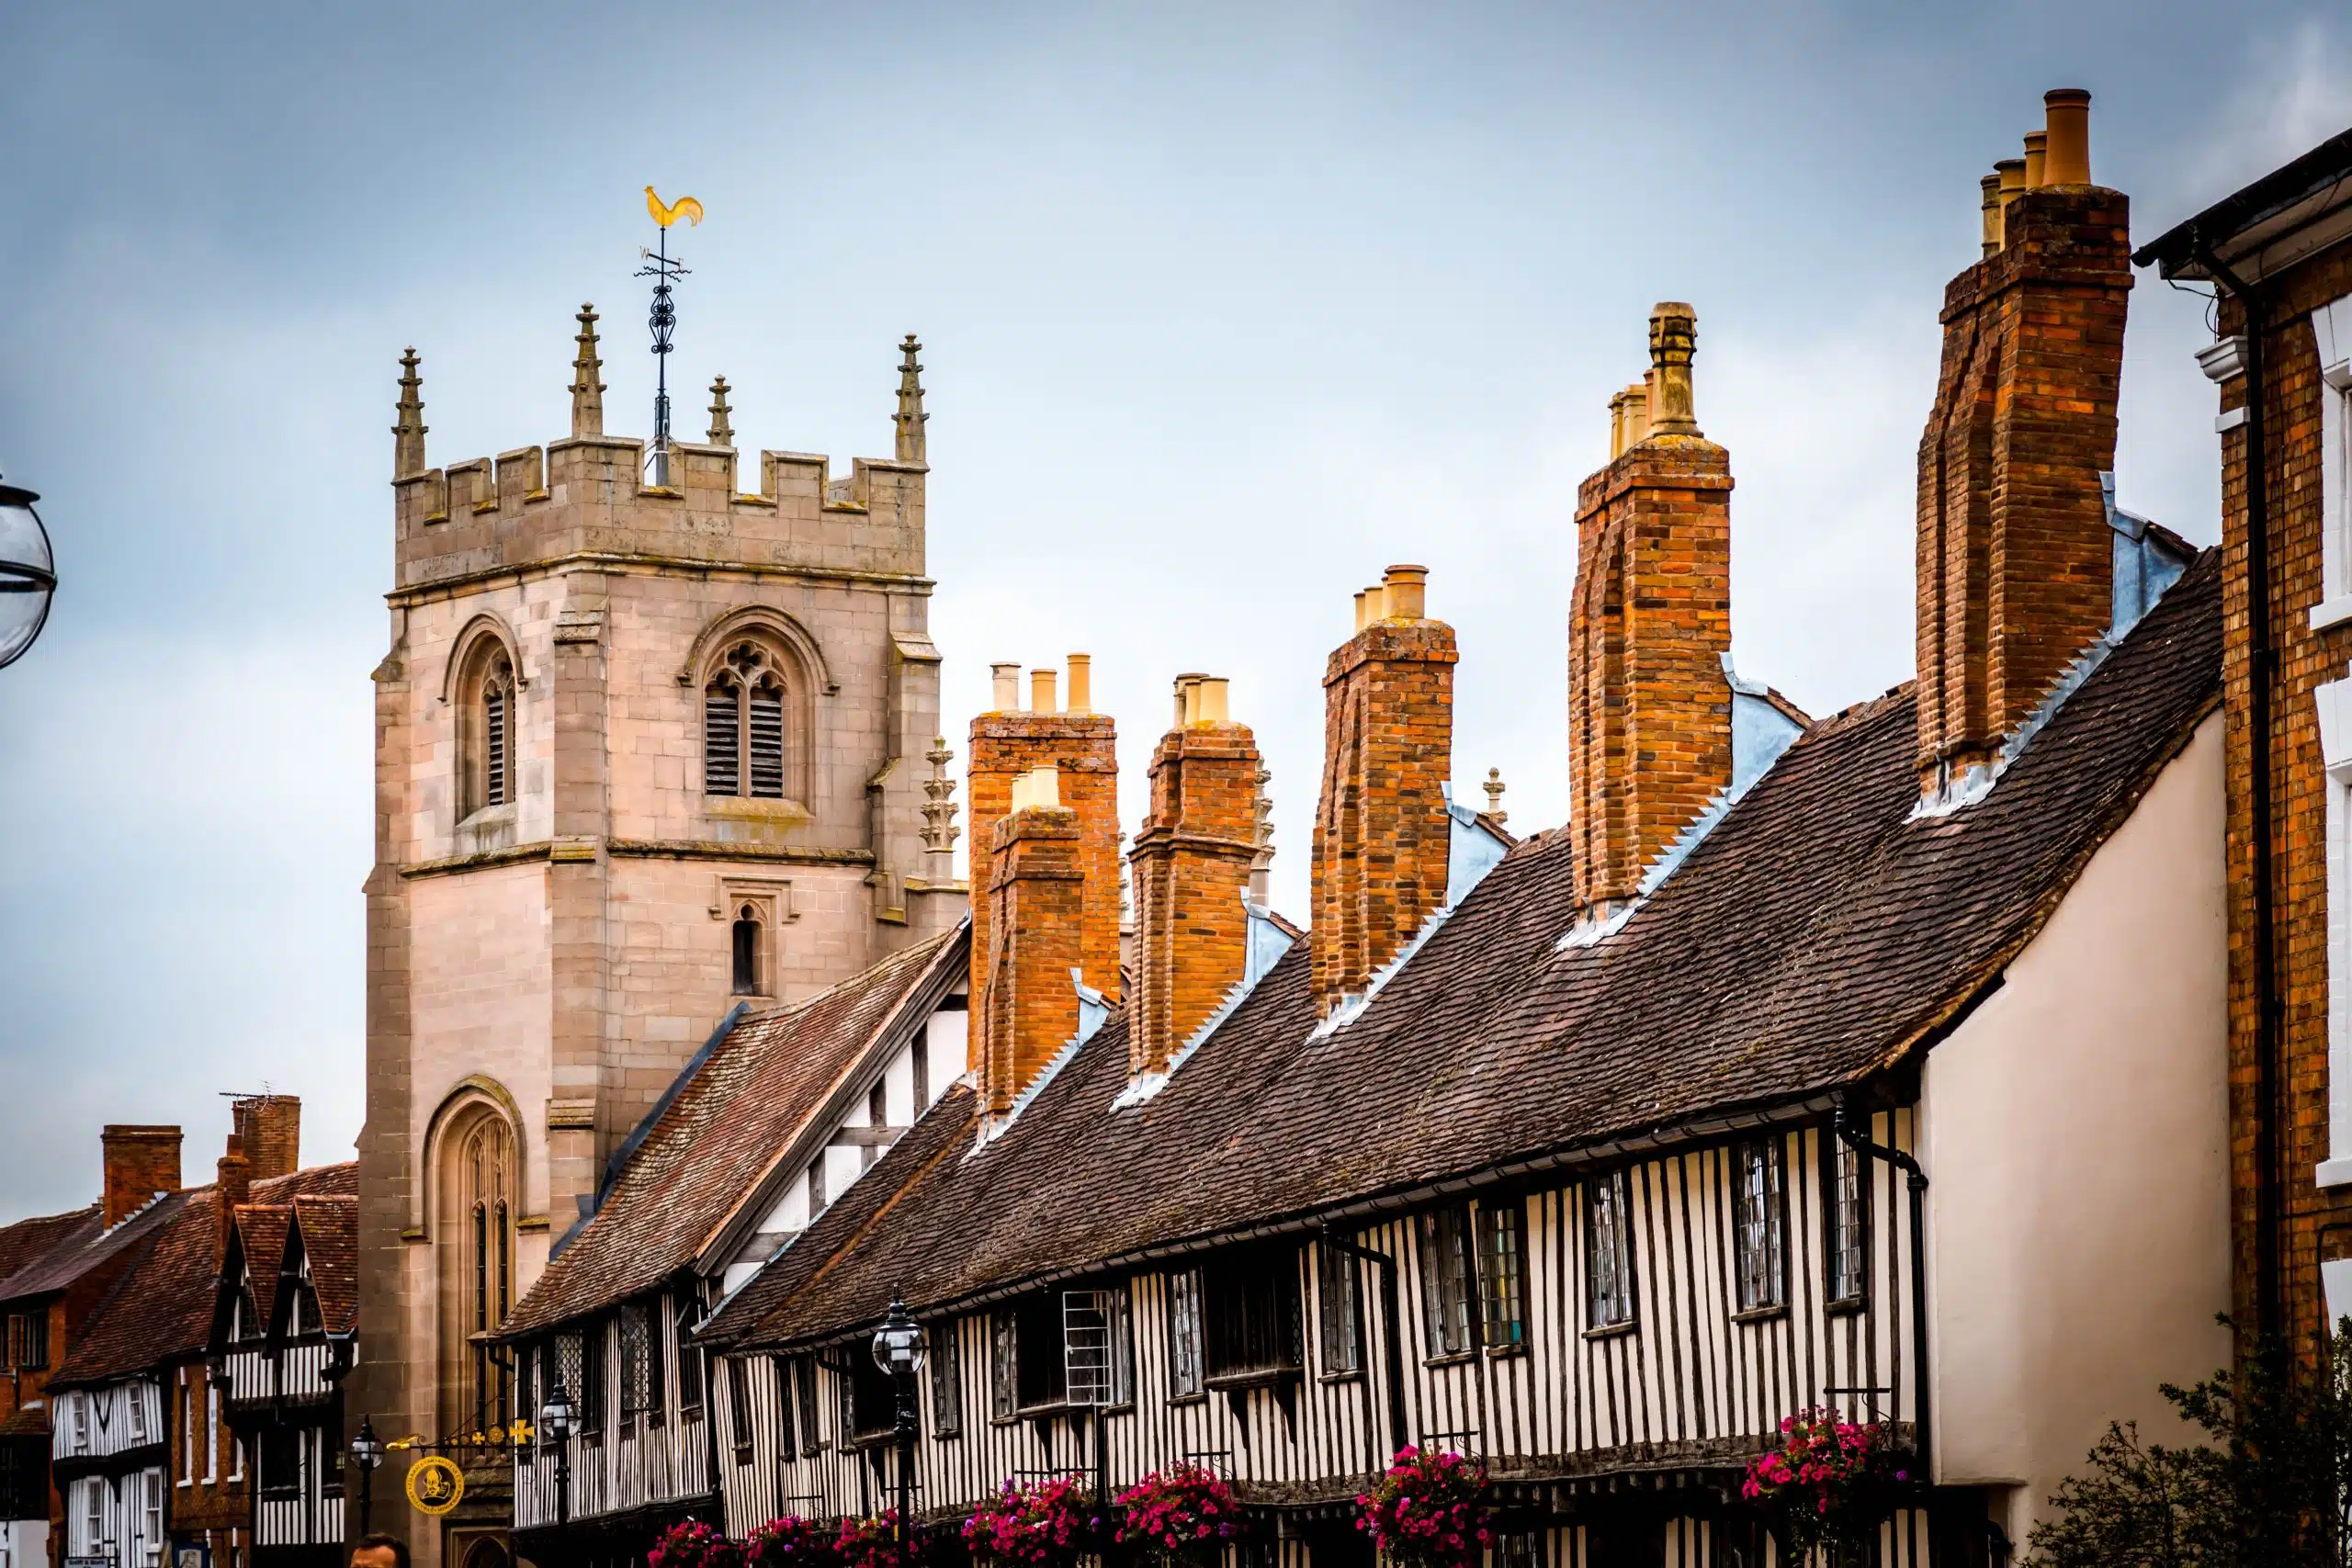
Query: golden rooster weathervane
664 270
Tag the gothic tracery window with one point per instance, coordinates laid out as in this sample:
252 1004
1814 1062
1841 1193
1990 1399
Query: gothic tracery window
744 708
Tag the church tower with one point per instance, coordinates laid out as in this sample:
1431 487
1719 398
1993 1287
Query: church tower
642 752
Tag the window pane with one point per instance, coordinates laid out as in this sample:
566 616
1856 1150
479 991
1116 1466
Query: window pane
946 1380
810 1440
1759 1212
1335 1277
689 1361
1184 1357
1502 1273
1609 1251
1847 1192
1445 1280
722 761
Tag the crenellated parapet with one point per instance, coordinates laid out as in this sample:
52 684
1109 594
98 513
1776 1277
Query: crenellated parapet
587 495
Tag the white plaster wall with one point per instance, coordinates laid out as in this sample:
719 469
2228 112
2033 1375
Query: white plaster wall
2076 1137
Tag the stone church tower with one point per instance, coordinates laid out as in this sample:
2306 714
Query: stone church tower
642 752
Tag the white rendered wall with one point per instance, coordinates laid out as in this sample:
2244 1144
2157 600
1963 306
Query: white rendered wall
2076 1135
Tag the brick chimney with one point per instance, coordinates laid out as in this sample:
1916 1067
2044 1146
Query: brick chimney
270 1127
1082 747
232 1185
2015 555
1383 839
140 1163
1035 897
1190 862
1649 623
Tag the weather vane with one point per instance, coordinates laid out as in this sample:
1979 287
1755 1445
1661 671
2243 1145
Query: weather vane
664 270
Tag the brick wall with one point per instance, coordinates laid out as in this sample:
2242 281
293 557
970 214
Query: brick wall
1035 897
1192 870
1649 623
1082 749
2316 1221
140 1163
1382 841
2015 556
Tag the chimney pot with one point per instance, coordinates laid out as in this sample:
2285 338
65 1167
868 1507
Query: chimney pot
1209 697
2035 142
2066 155
1363 611
1006 694
1637 414
1407 590
1041 692
1674 335
1081 683
1990 187
2012 173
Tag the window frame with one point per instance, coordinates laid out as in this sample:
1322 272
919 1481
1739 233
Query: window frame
1338 1312
945 1366
1845 1226
754 688
1759 1225
1450 1305
489 705
694 1388
1501 1230
1004 1359
1621 1309
812 1438
1187 1340
1250 1315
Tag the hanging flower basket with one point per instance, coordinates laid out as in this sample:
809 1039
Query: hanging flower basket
1428 1511
1830 1483
792 1542
873 1543
1185 1513
1047 1523
694 1544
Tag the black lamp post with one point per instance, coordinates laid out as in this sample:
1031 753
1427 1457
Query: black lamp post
28 573
555 1427
367 1453
899 1350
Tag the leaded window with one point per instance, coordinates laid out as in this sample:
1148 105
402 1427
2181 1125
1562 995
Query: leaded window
947 1363
1185 1361
1251 1320
1846 1191
811 1440
1502 1273
637 1362
689 1363
1609 1251
1762 1244
1339 1312
743 725
1446 1277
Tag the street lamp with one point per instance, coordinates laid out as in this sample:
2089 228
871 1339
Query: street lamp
367 1453
899 1350
28 573
555 1427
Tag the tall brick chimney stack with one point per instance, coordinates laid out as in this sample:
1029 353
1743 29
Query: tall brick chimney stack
270 1128
140 1163
1649 623
1191 861
1027 1007
232 1185
2015 556
1082 747
1383 839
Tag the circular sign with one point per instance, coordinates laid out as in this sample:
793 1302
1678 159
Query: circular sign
434 1484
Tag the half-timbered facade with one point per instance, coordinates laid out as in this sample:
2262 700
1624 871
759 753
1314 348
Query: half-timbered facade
782 1113
1812 1064
282 1340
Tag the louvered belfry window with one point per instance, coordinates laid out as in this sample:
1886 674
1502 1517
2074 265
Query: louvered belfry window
494 744
488 737
743 726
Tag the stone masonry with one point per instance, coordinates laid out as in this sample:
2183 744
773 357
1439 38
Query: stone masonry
551 960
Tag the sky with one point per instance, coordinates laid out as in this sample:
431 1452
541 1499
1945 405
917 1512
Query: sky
1224 309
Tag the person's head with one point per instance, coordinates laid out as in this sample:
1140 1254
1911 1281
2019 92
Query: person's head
380 1550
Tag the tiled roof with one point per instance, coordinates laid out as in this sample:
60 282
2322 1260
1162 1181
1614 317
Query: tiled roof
723 1132
74 1248
330 1230
161 1309
261 1233
27 1241
32 1421
1817 936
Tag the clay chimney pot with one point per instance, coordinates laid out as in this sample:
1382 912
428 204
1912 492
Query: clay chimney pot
1081 683
1209 701
2066 156
2035 141
1407 590
1006 694
1990 186
1041 692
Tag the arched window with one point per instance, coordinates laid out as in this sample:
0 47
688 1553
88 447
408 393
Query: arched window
486 732
743 724
476 1194
747 951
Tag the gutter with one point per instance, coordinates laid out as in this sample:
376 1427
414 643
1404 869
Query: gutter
2262 664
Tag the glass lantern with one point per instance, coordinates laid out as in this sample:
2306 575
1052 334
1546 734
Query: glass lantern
28 573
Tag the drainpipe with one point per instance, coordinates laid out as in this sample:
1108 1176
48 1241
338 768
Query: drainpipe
2262 664
1392 1336
1855 1134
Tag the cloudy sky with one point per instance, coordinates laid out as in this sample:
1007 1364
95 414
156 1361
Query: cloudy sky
1225 308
